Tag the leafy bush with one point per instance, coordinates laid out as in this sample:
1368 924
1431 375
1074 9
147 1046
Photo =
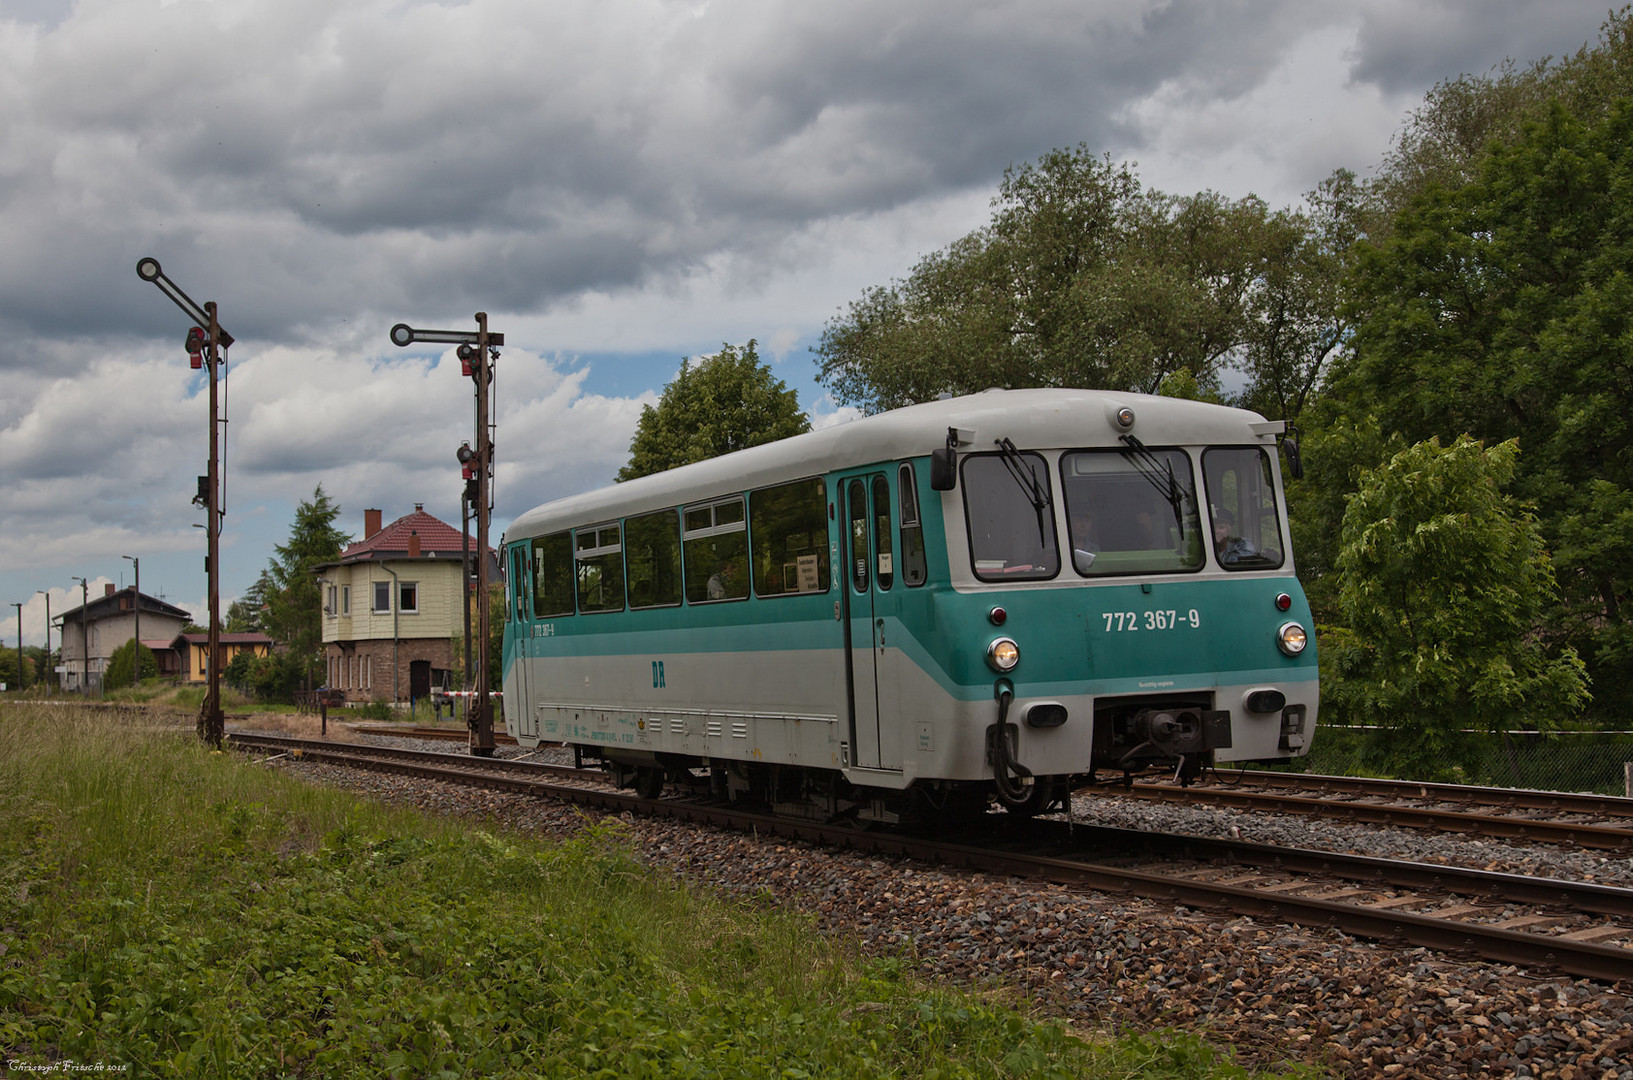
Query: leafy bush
121 671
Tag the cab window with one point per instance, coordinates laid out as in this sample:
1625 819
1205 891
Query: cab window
1131 511
1012 536
1242 511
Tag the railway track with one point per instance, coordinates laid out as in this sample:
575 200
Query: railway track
1491 812
1579 928
441 734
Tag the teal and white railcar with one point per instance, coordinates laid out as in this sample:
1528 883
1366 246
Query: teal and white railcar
1002 594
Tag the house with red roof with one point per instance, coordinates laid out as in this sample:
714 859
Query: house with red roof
393 605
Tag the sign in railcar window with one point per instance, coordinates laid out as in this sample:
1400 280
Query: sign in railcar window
789 524
1132 511
1242 507
553 575
600 568
1012 536
652 555
715 539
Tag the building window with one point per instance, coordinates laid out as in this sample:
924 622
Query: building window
345 599
329 607
382 597
410 598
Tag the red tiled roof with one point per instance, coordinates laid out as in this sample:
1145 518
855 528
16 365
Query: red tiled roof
435 535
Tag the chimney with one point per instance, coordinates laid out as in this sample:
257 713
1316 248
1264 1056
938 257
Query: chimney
413 544
371 523
108 589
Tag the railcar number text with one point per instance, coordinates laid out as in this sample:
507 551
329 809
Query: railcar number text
1124 621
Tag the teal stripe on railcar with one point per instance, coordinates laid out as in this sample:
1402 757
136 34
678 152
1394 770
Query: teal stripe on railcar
1066 646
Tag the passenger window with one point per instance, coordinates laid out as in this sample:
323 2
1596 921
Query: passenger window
789 524
907 489
1011 539
716 545
553 575
1242 508
652 554
600 569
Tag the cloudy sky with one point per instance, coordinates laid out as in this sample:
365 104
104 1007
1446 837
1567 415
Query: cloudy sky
618 183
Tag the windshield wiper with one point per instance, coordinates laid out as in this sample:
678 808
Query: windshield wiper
1158 473
1037 493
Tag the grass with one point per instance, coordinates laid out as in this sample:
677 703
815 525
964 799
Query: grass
184 913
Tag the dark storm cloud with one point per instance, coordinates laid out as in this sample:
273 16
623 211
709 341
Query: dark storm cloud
308 162
1408 45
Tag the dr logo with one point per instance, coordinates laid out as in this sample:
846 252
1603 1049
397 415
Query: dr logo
657 675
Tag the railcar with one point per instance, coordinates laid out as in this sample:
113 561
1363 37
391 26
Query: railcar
986 598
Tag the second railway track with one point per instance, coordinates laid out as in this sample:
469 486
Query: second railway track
1547 817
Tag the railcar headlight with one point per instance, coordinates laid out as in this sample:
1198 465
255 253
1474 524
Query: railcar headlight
1292 638
1003 654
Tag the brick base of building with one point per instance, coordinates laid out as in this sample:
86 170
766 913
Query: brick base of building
382 670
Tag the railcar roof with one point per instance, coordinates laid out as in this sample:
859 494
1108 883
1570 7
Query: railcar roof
1030 418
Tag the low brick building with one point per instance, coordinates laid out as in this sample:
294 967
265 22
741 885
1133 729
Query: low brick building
393 606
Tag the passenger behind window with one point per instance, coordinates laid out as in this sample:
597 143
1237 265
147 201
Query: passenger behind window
1232 549
1084 545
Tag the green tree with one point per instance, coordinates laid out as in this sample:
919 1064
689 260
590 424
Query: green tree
8 669
726 402
122 666
1084 279
1442 581
293 615
1504 309
244 614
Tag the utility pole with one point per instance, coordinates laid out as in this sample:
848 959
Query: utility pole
20 684
476 354
204 345
84 634
138 655
48 665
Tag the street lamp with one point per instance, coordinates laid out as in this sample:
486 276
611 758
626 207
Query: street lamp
476 352
138 657
204 348
84 634
47 596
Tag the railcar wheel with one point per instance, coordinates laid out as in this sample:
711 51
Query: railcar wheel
1040 797
648 782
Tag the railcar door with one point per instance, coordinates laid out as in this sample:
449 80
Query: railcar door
870 573
518 703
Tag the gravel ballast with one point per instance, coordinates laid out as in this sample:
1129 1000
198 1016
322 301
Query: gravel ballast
1101 963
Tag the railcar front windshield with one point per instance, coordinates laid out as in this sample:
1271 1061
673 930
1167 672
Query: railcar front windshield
1132 511
1012 537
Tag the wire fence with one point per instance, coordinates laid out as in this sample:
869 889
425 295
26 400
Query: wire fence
1595 761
